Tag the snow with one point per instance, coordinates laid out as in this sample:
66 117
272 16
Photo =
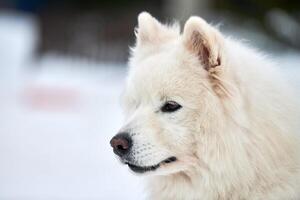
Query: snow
47 153
58 149
57 117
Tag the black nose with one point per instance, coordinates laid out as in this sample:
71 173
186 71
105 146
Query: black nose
121 144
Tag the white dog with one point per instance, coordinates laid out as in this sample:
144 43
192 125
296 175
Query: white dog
207 117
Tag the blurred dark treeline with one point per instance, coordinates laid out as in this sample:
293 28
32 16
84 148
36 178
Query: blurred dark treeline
103 30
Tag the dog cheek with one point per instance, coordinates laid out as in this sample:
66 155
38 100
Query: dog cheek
176 138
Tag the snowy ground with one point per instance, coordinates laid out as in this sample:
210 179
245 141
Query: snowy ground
57 116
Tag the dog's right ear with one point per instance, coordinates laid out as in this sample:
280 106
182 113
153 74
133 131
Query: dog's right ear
151 32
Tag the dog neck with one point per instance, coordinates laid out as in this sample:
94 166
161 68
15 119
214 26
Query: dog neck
181 185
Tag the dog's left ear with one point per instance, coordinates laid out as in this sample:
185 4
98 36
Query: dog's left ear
204 41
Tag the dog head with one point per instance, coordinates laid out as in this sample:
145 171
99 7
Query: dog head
172 97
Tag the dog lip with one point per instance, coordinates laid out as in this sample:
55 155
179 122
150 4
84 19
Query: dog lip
169 160
143 169
139 169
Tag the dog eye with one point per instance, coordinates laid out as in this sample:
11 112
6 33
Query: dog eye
170 106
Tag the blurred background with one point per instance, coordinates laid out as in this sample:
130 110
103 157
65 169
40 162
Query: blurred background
62 69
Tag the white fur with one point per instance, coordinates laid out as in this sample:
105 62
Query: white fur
235 135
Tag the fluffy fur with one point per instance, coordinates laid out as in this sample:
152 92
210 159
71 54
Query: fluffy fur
235 135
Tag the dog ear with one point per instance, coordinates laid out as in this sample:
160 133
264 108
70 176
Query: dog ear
205 41
151 31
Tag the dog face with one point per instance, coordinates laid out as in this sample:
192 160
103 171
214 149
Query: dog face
170 98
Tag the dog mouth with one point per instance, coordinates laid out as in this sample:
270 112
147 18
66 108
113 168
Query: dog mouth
143 169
